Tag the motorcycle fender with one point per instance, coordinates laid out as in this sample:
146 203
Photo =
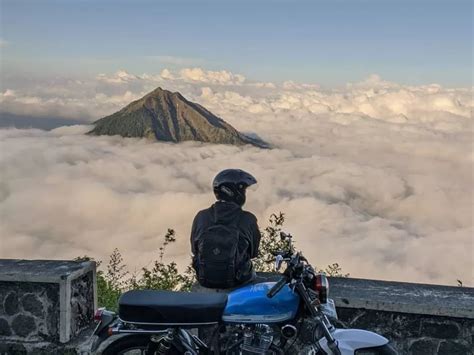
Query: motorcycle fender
349 340
101 330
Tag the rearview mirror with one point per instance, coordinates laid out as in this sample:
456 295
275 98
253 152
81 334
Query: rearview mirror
278 261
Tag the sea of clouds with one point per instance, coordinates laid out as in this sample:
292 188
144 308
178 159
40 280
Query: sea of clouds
376 176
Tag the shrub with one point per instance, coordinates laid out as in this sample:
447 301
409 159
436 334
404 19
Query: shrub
166 276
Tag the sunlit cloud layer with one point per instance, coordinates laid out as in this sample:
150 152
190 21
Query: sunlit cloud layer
376 175
228 92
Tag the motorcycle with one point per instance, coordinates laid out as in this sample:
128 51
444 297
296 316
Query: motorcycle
291 316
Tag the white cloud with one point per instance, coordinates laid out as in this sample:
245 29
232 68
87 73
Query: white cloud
373 81
376 176
167 75
429 107
222 77
119 77
386 200
83 104
291 85
266 85
117 100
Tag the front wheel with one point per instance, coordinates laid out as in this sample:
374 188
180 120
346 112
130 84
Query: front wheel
135 345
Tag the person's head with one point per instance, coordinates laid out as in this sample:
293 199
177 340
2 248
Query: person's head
230 185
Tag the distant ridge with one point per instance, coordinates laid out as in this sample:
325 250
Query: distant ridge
167 116
11 120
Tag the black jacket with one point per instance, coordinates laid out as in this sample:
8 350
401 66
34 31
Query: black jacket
226 212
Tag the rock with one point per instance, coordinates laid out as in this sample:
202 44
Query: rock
453 348
423 347
347 315
404 326
13 349
52 322
5 328
23 325
10 304
441 330
52 349
369 320
52 291
32 304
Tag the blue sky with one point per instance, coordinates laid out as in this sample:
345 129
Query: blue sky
325 42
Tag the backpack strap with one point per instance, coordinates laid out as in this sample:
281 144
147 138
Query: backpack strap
236 220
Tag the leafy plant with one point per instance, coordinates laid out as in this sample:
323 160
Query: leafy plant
116 271
166 276
334 270
270 243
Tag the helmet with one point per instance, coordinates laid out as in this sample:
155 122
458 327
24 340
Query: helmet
230 185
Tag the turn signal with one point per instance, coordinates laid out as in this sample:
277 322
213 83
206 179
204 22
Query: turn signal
98 314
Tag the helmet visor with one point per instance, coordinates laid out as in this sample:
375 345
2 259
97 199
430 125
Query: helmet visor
253 187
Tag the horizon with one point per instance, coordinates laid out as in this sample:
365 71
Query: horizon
324 42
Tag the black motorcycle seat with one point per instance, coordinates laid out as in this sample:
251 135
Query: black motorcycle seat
168 307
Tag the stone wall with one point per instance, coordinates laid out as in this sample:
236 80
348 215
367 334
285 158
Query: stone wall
414 334
418 319
46 307
82 303
29 312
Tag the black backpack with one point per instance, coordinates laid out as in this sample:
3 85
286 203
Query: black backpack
218 260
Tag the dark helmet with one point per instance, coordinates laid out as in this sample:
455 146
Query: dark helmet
230 185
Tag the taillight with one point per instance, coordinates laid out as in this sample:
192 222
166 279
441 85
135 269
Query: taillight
321 285
98 314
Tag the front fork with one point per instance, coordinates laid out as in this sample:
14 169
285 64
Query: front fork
323 322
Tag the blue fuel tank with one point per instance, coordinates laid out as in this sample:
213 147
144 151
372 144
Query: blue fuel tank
250 304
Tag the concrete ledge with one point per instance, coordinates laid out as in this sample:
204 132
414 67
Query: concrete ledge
45 301
403 297
51 271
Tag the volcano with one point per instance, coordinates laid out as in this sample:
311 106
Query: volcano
167 116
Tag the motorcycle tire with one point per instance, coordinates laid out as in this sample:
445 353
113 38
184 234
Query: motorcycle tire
131 345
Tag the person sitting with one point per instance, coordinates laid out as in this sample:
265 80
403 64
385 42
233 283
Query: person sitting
224 238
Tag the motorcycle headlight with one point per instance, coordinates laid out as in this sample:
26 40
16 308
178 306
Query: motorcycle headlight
320 284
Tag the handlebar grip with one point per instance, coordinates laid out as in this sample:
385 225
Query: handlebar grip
276 288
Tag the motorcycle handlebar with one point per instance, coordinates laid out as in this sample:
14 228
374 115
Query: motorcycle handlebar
276 288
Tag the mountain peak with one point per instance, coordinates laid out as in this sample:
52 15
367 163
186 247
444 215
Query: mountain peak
168 116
